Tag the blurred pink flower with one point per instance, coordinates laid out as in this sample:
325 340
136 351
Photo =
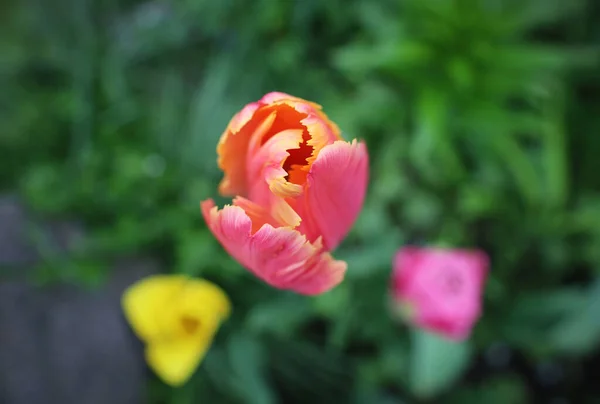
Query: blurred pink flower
298 188
440 290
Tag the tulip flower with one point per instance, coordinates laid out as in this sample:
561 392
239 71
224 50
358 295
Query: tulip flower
440 290
298 188
176 318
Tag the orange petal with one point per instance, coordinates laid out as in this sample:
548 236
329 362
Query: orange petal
231 152
270 187
258 214
255 124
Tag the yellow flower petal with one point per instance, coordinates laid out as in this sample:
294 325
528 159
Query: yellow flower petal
145 302
177 317
175 361
203 299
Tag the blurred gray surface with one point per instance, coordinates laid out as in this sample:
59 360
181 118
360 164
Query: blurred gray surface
24 240
15 248
62 344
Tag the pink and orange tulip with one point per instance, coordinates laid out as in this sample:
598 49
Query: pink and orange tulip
298 188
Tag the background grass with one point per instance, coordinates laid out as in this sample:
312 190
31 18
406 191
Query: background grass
482 123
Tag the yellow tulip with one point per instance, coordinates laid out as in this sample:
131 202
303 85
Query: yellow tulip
176 317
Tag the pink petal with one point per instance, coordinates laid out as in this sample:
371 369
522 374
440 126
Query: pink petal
405 259
451 329
334 192
281 256
442 286
240 119
276 96
268 186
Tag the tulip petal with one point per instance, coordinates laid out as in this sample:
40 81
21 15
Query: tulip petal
276 97
302 105
270 158
443 287
282 257
406 257
334 193
232 152
267 163
175 361
258 214
144 302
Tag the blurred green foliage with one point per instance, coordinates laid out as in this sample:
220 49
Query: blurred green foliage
481 118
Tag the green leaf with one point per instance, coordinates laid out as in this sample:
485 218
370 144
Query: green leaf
312 373
210 110
555 153
247 359
499 390
565 320
535 13
579 333
169 115
359 59
432 149
195 253
374 257
543 305
533 59
424 209
518 163
279 316
436 363
333 302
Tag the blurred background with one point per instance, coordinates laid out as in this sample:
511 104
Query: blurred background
482 119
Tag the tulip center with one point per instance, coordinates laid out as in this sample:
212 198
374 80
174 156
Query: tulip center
288 118
298 159
190 324
452 282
